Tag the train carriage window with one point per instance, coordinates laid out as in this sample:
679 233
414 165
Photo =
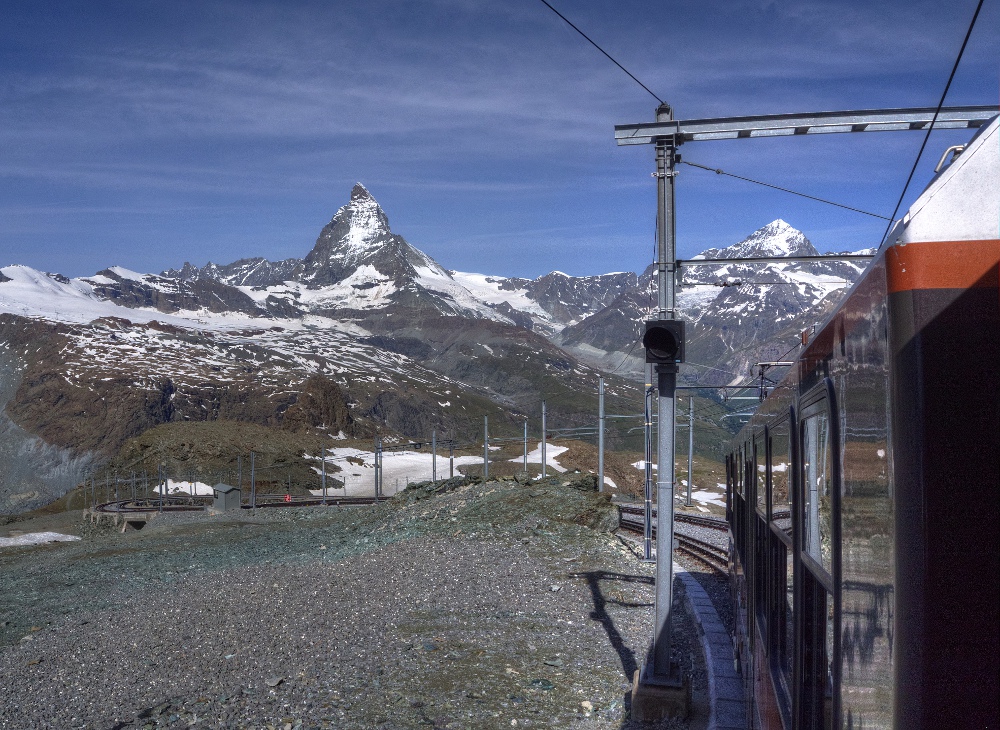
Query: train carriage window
788 650
760 469
817 474
731 494
739 473
737 460
816 578
818 655
830 658
740 516
781 506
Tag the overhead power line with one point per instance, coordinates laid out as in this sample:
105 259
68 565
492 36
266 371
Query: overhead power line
717 171
608 55
627 354
930 127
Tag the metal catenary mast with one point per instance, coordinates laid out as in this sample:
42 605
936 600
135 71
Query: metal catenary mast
664 337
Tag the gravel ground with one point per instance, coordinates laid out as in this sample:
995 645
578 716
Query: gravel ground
456 606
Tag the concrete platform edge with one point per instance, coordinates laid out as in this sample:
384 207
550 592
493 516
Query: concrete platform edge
719 658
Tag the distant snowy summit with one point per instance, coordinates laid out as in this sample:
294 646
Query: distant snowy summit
775 239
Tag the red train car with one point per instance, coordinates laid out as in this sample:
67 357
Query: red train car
864 495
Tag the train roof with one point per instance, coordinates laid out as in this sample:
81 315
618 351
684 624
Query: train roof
962 202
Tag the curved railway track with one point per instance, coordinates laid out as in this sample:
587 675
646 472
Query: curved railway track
170 504
317 502
198 504
711 555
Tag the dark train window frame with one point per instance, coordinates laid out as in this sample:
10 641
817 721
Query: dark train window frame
739 518
730 489
758 527
815 405
760 443
781 550
821 397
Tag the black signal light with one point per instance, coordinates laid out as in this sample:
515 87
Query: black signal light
664 341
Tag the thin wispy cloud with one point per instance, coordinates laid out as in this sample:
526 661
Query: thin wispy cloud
494 120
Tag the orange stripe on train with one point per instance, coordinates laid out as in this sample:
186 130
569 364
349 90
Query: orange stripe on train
943 265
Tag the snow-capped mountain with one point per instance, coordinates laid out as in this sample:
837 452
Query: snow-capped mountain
775 239
359 270
370 328
358 236
739 313
359 265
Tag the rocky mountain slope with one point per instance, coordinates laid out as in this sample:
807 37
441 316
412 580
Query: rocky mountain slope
368 334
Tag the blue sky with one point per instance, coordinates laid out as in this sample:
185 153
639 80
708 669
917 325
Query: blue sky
146 134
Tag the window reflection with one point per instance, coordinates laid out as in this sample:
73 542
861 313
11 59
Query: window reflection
781 514
761 471
789 638
817 469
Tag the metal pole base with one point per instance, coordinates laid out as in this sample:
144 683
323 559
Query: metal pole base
656 698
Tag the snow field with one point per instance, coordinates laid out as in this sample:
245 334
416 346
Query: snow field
551 452
399 468
182 487
35 538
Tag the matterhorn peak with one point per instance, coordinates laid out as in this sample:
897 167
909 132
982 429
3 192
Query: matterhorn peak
364 218
360 192
359 235
777 226
357 232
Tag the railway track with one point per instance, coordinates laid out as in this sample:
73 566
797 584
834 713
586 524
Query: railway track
317 502
198 504
714 523
170 504
705 552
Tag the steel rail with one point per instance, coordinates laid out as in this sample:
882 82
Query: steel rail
187 504
714 523
705 552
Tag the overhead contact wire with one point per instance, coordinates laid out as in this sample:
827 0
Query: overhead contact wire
627 355
608 55
930 127
717 171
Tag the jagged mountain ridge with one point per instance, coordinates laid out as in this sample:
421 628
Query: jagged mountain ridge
360 272
359 264
255 272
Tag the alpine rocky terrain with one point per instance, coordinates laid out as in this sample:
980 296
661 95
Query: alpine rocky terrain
364 335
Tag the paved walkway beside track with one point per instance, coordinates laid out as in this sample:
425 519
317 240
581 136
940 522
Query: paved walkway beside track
725 687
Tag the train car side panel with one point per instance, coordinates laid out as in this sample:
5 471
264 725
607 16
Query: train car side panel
859 369
946 443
